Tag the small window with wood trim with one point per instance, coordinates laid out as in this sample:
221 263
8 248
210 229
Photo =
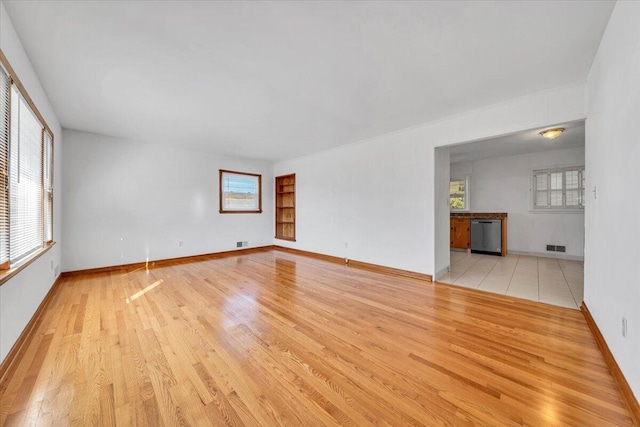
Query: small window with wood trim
459 193
240 192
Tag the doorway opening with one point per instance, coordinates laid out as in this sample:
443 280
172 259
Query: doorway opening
536 188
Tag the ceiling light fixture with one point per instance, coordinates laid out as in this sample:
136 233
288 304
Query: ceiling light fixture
552 133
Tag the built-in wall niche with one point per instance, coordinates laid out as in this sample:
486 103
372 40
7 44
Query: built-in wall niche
286 207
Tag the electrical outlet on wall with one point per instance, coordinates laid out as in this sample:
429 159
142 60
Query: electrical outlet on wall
180 243
624 327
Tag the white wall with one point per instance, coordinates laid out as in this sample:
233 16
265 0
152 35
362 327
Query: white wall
21 296
378 194
503 184
370 196
128 201
612 255
441 221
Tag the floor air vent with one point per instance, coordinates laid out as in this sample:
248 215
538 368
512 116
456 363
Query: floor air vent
555 248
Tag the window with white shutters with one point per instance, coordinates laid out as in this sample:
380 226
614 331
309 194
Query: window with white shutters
558 189
26 174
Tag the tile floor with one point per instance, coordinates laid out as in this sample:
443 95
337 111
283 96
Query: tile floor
550 280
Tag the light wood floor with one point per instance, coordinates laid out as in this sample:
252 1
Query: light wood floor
273 338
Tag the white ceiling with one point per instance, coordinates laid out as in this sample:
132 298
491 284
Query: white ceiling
520 143
276 80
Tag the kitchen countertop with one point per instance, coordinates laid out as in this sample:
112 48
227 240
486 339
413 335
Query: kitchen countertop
481 215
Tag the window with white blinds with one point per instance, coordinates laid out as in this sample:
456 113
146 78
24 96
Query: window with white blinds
26 170
559 189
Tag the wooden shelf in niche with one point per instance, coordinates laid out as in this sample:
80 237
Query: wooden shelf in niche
286 207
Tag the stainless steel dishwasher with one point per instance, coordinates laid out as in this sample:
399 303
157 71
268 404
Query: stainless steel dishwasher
486 236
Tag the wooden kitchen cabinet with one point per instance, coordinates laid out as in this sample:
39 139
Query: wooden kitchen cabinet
461 228
460 235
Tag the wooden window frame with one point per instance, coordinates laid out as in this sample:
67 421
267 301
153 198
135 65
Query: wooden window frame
221 192
9 270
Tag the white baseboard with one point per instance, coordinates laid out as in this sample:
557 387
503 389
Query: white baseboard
459 250
548 255
441 273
